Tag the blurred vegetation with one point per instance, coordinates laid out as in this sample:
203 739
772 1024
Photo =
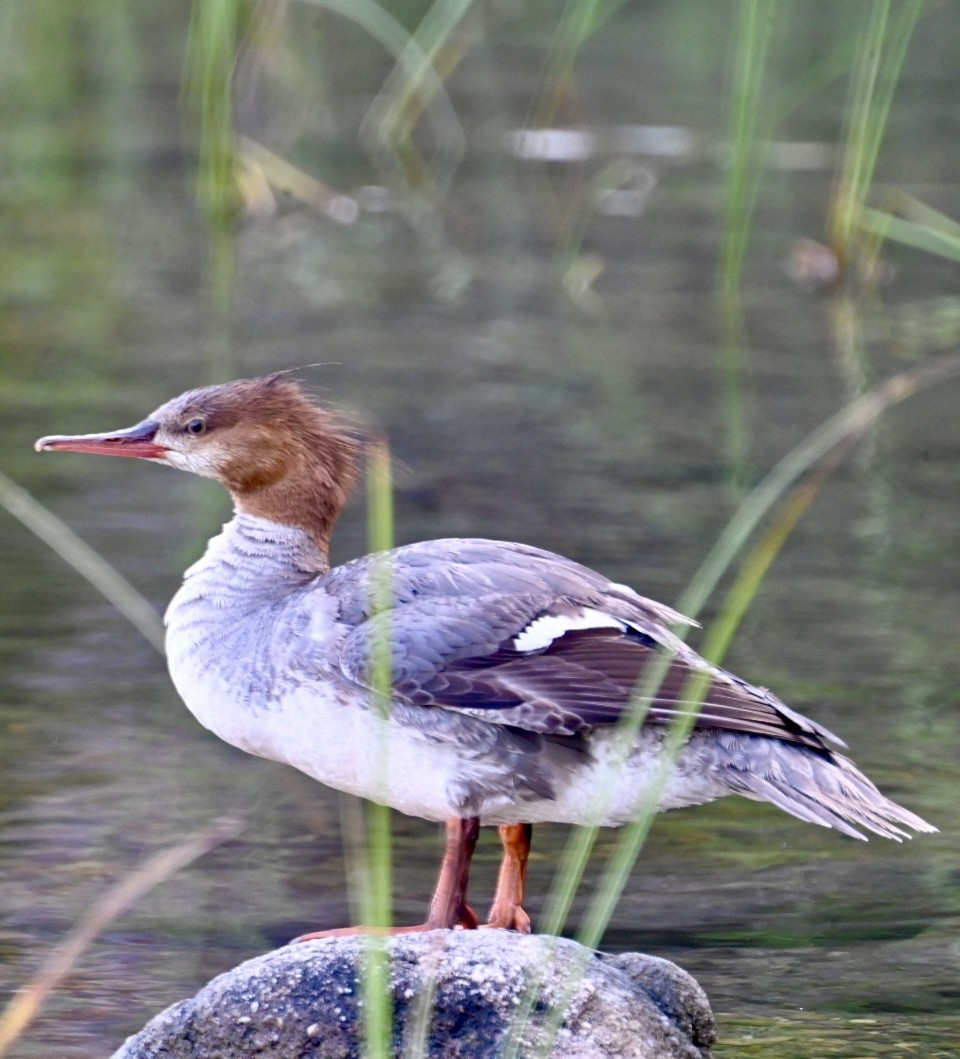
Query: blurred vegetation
281 113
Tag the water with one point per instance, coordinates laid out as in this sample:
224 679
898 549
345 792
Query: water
593 424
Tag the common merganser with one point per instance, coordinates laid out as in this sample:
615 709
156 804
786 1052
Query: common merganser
511 666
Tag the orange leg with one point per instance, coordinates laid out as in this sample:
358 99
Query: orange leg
507 911
448 907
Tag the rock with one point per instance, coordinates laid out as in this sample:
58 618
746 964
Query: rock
459 993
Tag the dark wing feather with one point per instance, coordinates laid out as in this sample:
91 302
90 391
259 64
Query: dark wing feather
585 679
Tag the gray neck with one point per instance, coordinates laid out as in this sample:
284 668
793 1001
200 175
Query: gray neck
238 612
251 564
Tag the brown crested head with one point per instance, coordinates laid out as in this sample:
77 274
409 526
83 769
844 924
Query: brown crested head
281 456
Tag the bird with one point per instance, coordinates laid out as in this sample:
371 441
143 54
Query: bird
511 670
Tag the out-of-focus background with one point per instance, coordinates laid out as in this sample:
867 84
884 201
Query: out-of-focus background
594 269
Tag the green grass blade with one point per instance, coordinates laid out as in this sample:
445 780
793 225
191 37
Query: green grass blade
913 209
935 241
392 35
377 877
414 74
850 420
414 77
753 36
212 44
883 48
853 181
577 24
87 562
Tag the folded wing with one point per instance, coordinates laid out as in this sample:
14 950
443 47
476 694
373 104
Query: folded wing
523 638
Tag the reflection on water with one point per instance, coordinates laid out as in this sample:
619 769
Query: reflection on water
593 428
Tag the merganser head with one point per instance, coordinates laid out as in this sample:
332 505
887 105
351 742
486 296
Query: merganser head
281 456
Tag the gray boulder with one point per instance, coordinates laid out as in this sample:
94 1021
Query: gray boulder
456 995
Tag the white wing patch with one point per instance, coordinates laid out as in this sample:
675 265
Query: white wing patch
543 631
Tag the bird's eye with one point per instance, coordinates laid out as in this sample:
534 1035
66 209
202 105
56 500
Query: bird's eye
196 426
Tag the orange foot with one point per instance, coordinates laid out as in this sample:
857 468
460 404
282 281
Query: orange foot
507 912
448 908
513 918
465 920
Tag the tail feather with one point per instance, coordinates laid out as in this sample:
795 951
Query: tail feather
819 786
